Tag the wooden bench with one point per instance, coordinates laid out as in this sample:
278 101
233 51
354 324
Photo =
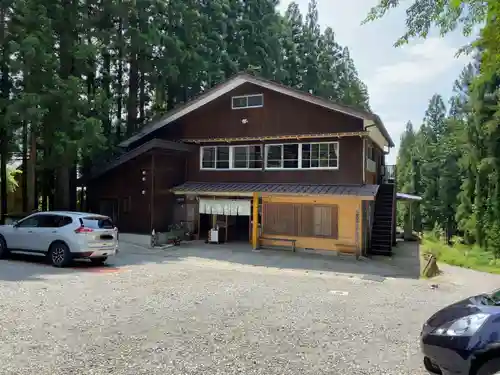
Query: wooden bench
282 240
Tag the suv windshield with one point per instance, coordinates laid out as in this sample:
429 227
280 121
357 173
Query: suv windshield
97 222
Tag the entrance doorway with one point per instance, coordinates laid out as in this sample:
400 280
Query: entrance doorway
239 228
232 216
205 225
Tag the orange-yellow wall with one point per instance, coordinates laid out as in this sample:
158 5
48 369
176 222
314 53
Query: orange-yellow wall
346 241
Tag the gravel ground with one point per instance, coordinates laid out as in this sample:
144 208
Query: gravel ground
210 312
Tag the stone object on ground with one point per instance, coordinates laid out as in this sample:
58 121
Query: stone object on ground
430 267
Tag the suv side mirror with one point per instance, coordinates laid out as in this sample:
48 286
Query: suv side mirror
15 223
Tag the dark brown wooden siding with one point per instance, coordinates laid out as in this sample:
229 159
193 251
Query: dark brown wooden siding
280 115
125 181
125 184
170 170
350 169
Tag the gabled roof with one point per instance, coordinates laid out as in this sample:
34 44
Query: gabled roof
152 144
241 79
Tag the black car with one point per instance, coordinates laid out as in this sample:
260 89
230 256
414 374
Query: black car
464 338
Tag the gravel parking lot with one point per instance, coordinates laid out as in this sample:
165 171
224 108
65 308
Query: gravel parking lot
217 311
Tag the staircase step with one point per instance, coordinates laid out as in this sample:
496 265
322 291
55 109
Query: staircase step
382 244
380 252
382 231
383 221
381 247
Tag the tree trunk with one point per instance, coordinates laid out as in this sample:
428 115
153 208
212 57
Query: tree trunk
119 89
61 199
142 98
67 69
106 82
4 134
133 86
24 176
73 188
31 173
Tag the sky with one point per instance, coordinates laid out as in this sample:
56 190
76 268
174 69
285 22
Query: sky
402 80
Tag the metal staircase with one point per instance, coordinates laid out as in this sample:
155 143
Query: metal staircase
383 229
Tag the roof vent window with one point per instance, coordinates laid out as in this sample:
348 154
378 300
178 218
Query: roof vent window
247 101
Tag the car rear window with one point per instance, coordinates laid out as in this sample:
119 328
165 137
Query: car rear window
97 222
62 221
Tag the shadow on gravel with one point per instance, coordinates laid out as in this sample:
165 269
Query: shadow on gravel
20 267
404 264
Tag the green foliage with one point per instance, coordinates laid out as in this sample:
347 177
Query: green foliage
12 183
493 239
77 77
445 15
461 255
458 153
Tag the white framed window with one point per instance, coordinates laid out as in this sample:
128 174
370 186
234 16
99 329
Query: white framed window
294 156
283 156
320 155
239 157
214 157
208 157
247 101
246 157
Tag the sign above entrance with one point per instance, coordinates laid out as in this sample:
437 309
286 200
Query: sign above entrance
230 207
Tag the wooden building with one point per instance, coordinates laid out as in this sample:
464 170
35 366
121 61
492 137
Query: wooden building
270 164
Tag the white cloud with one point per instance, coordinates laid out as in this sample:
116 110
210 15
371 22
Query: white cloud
420 64
400 80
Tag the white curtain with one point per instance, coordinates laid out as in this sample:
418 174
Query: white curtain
230 207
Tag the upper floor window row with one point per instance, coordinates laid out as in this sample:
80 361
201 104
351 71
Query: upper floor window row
247 101
323 155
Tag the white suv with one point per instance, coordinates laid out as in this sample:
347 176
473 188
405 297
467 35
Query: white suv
62 236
